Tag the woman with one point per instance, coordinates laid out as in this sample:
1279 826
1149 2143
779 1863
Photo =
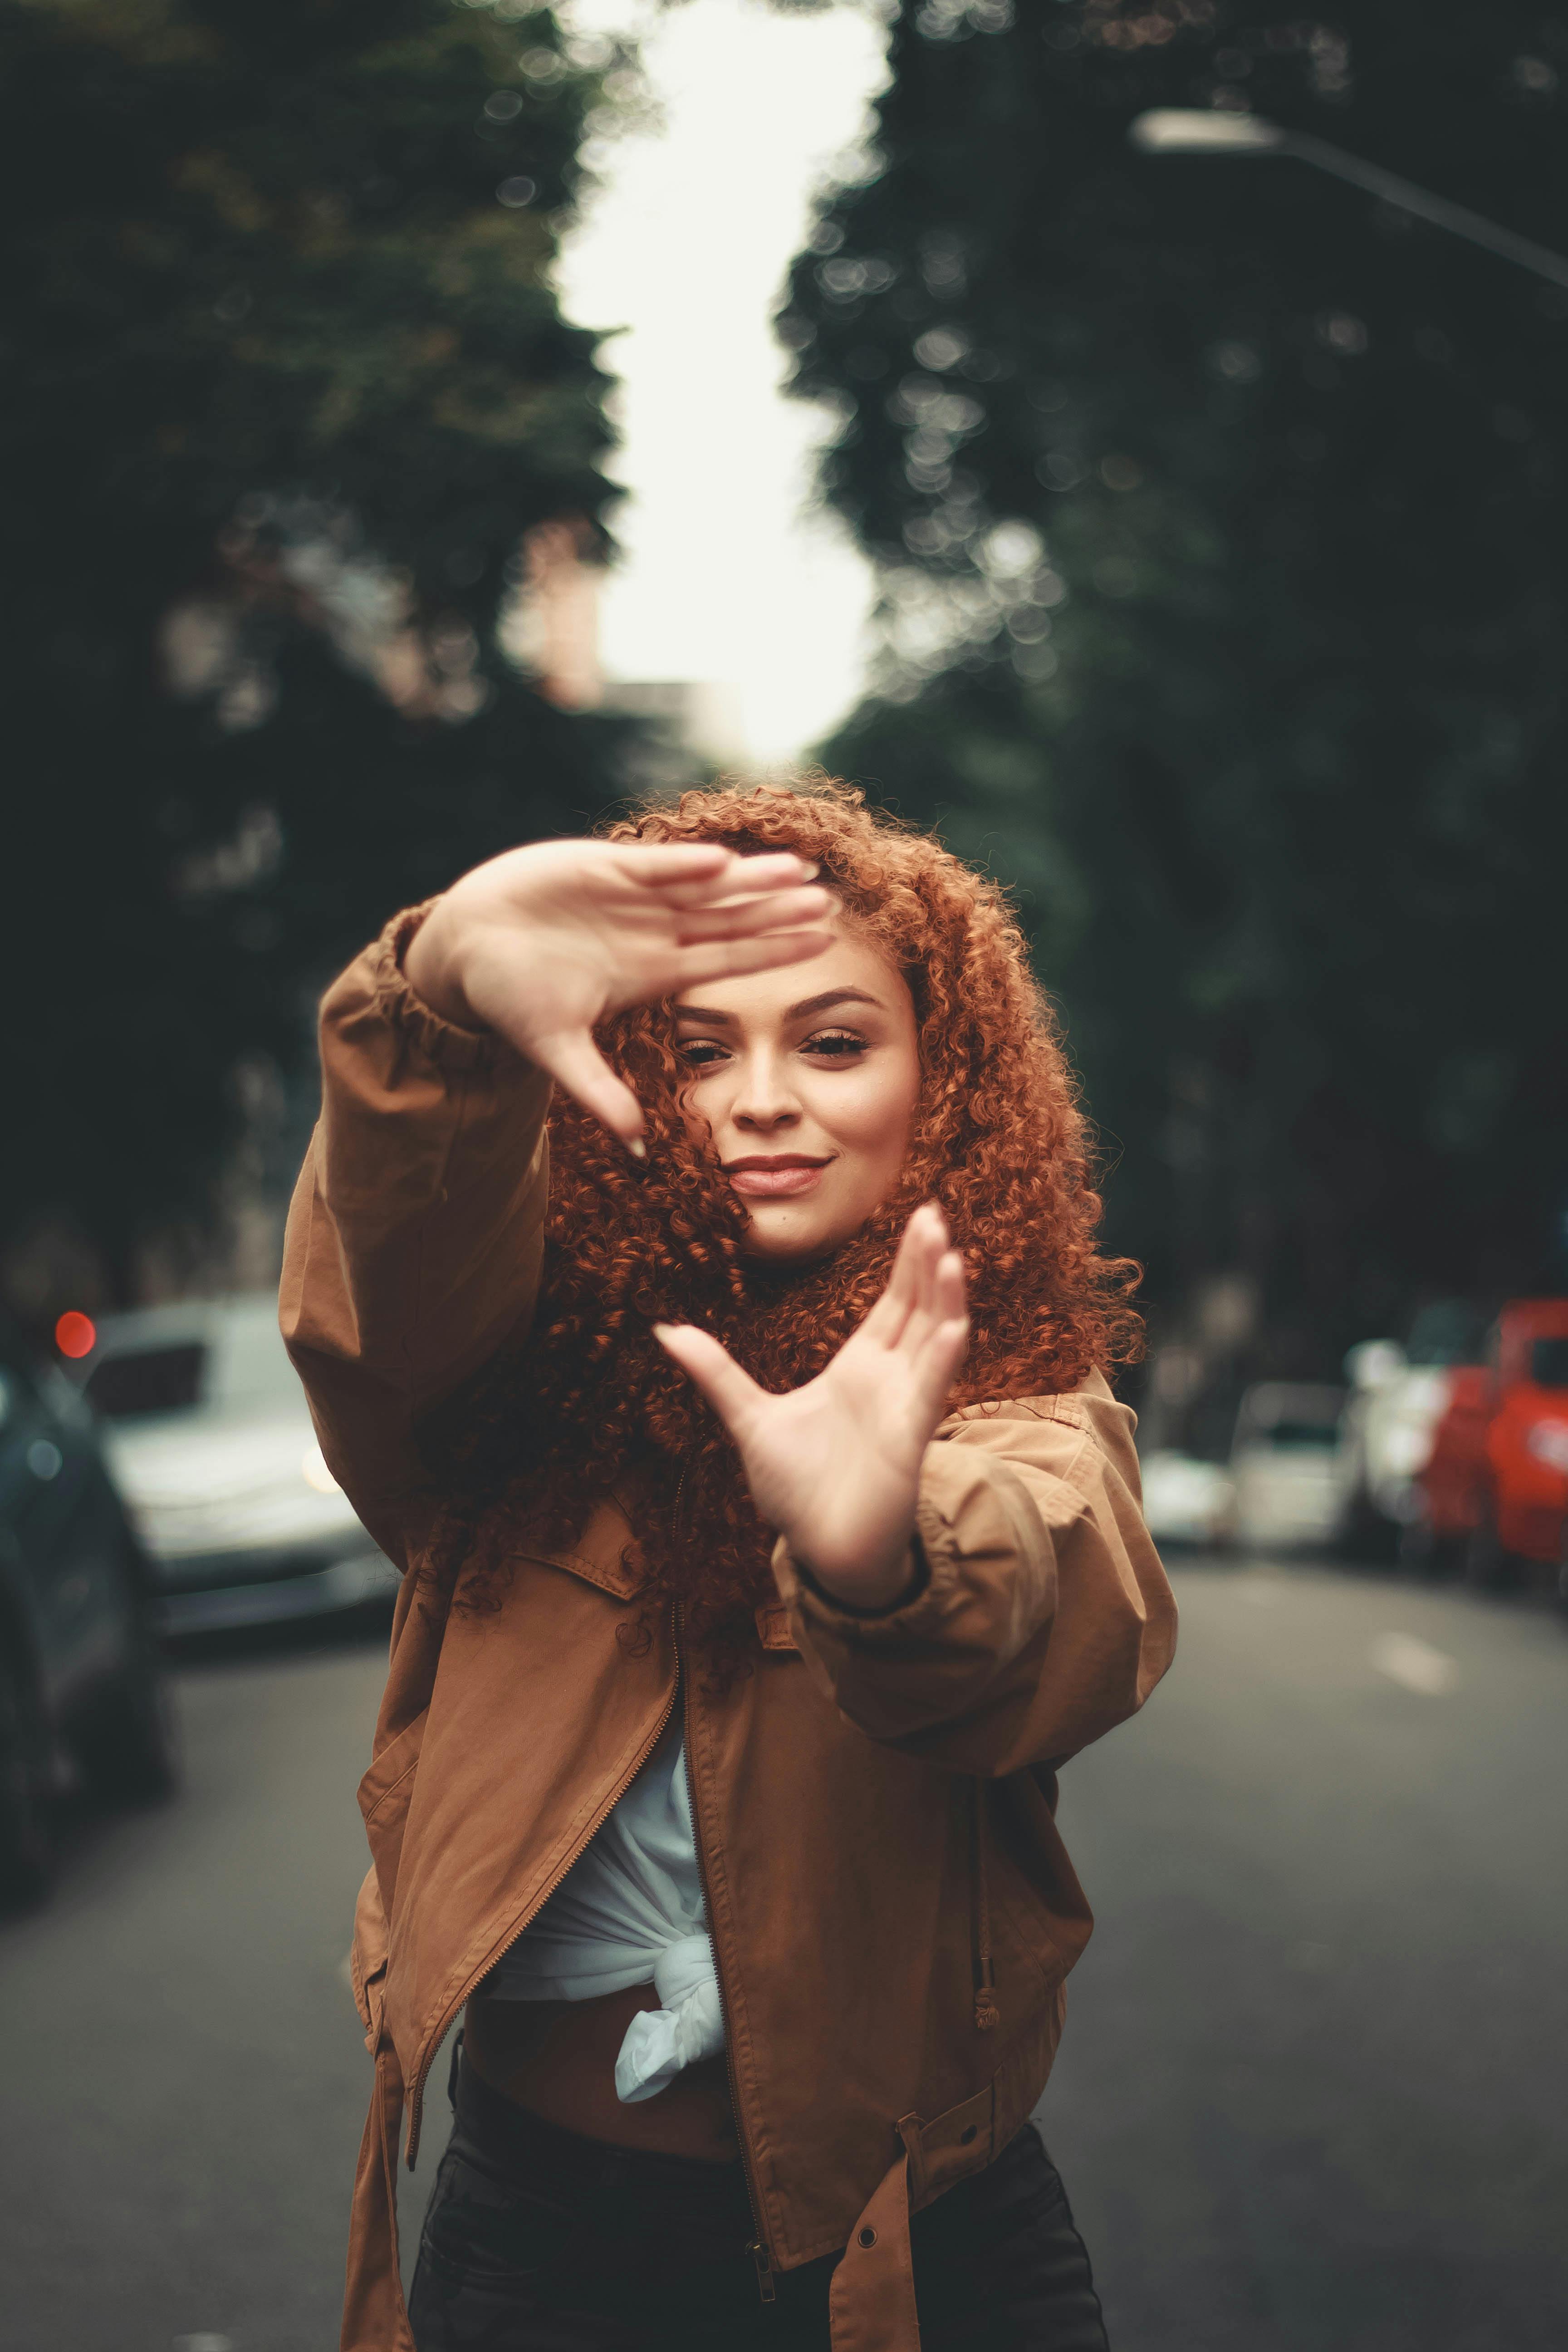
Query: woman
757 1583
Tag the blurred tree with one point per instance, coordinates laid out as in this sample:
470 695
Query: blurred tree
287 386
1222 520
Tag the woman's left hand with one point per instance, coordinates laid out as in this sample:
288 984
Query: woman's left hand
834 1465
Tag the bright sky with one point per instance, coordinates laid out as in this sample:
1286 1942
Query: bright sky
726 578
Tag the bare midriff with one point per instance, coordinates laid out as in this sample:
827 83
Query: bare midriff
557 2059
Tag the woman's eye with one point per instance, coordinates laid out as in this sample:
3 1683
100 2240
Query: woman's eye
701 1053
836 1044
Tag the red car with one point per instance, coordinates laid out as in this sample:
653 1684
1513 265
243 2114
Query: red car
1497 1484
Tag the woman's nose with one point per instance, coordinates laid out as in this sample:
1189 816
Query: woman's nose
763 1098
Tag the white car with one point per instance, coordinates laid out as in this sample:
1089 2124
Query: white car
1285 1463
1394 1409
209 1439
1186 1501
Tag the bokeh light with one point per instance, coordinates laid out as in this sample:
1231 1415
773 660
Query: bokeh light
76 1334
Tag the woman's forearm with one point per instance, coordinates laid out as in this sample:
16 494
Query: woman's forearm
416 1233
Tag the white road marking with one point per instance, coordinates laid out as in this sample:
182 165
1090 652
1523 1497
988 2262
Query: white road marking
1414 1665
204 2343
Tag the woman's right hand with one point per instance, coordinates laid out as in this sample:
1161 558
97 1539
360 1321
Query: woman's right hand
541 943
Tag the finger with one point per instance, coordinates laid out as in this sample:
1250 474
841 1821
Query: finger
738 877
933 1241
886 1320
939 1247
774 870
572 1058
723 960
675 865
937 1367
950 1289
735 919
944 1335
928 1240
733 1395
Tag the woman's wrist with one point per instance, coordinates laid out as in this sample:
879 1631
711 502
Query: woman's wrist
430 967
877 1594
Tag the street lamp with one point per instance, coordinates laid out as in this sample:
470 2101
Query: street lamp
1194 130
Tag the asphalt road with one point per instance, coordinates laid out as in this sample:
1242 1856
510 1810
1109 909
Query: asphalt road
1314 2090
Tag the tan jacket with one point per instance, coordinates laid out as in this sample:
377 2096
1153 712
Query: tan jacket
893 1912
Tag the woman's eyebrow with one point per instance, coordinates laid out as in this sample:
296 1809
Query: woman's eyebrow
831 996
801 1011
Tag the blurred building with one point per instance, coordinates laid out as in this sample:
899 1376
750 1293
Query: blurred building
551 629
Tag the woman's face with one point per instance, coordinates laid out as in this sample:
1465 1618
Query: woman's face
806 1080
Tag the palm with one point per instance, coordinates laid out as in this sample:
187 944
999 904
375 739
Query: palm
837 1463
834 1465
599 935
543 942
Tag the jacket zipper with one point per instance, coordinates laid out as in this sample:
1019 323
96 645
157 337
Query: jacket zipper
758 2247
987 2014
417 2089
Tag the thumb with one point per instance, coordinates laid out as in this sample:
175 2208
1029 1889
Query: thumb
572 1057
731 1392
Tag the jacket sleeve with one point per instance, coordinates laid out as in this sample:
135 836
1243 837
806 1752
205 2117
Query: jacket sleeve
1046 1617
416 1229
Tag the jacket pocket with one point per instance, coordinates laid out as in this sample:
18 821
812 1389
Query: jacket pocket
1030 1960
605 1554
610 1571
1038 1919
384 1799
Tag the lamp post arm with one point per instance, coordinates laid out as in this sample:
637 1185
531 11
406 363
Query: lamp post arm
1426 206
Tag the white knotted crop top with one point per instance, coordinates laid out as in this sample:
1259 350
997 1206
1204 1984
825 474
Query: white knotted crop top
630 1909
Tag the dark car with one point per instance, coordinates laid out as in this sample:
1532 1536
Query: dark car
81 1689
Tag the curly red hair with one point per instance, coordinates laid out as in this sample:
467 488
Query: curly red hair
595 1405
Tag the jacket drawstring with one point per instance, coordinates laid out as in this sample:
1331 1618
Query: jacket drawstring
986 2014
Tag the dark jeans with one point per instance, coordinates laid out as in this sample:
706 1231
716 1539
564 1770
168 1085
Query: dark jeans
537 2240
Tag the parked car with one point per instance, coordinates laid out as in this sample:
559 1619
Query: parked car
1186 1501
1285 1464
211 1442
1385 1443
81 1688
1494 1492
1450 1484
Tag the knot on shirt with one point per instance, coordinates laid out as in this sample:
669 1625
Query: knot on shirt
689 2026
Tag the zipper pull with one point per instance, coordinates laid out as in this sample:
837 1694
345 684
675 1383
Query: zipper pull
765 2288
988 2014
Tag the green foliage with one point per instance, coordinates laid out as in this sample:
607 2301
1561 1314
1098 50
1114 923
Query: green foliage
282 358
1222 520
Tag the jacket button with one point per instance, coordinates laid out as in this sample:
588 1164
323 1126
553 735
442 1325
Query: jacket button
868 2237
965 2136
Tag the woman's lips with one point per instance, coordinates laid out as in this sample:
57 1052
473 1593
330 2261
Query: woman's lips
785 1181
